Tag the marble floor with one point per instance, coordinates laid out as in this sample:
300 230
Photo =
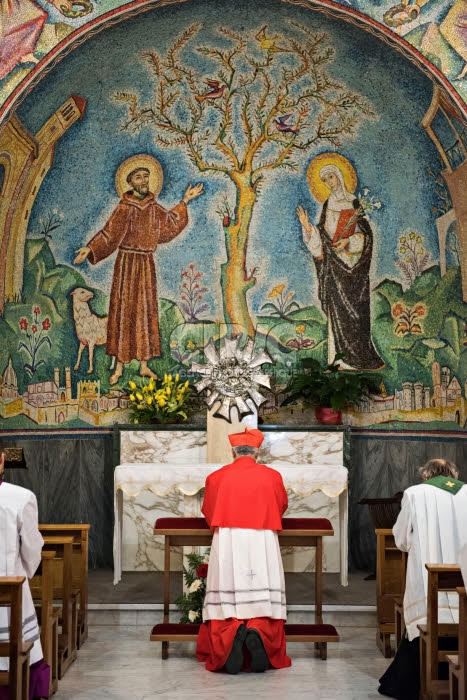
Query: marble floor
120 663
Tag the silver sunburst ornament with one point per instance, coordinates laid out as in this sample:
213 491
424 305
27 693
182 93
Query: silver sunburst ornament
232 375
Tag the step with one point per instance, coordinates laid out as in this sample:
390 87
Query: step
148 614
177 632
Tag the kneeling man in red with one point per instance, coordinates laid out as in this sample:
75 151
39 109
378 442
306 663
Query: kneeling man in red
244 609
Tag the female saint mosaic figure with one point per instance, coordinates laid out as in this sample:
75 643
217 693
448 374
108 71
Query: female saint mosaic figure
341 245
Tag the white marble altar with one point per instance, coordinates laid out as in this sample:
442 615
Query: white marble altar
144 498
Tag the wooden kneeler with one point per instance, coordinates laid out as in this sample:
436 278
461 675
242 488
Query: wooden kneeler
458 663
297 532
63 591
17 651
441 578
391 566
48 615
80 534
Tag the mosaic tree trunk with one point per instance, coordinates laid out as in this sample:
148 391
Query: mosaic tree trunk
236 281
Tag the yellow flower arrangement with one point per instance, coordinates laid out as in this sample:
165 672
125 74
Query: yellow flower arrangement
158 401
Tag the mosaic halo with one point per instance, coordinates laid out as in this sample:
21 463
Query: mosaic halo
142 160
318 189
232 375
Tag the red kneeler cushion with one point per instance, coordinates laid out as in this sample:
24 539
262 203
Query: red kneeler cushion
181 524
201 524
306 524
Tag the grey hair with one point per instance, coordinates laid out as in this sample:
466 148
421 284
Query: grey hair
438 467
245 451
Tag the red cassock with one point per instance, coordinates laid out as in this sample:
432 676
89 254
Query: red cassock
243 494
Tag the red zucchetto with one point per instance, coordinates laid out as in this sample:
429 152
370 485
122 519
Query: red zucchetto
252 438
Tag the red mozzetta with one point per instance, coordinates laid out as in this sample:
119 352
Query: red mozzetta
245 494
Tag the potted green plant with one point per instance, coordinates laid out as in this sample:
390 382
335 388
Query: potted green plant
159 401
330 389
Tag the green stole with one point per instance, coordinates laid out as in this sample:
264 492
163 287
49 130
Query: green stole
446 483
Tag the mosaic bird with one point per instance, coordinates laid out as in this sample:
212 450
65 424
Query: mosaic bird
283 127
215 92
268 43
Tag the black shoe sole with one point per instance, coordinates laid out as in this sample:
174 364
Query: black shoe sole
259 658
234 662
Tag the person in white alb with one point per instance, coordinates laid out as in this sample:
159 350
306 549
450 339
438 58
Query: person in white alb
20 555
431 528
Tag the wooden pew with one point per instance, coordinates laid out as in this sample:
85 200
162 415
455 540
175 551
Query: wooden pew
80 533
42 590
17 651
442 578
458 663
63 591
399 619
301 532
391 565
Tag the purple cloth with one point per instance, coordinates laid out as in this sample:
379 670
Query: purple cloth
39 682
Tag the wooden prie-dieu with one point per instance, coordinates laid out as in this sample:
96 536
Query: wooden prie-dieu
296 532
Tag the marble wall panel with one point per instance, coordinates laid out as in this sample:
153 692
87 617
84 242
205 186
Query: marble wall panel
158 446
141 551
303 448
318 505
296 447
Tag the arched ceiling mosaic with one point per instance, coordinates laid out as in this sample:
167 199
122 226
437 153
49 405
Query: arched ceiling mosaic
35 33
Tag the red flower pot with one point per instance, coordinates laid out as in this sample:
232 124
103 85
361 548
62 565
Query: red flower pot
327 416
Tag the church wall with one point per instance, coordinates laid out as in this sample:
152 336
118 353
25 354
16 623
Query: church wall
72 479
84 468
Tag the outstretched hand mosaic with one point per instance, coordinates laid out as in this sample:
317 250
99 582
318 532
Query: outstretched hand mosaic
229 173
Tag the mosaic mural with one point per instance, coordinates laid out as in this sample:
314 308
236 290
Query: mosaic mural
34 33
197 170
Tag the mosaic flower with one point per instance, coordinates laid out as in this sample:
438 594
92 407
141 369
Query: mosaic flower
406 318
276 291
